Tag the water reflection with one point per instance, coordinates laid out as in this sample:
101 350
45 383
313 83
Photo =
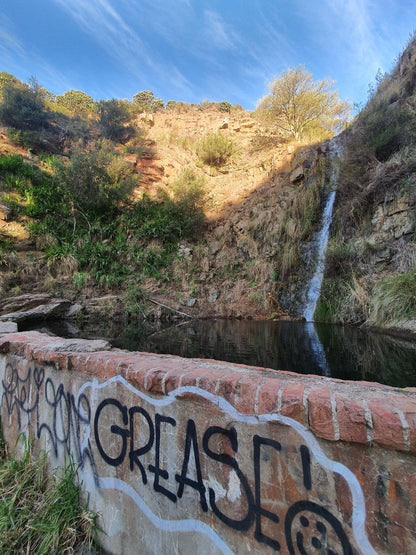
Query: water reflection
307 348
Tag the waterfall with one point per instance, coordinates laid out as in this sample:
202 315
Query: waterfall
315 283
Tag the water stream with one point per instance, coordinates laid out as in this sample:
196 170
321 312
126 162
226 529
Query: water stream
322 236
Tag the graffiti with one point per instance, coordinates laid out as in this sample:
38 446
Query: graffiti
308 526
67 418
165 459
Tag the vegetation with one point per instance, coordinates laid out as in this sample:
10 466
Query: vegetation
77 102
370 273
22 108
299 106
39 514
144 101
87 224
394 300
113 115
215 149
224 106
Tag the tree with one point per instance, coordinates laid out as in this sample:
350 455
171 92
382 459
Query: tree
8 78
22 107
113 114
77 102
142 100
145 101
298 105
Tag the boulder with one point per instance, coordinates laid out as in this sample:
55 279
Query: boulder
56 308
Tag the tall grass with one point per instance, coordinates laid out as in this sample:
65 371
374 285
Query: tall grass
39 514
394 299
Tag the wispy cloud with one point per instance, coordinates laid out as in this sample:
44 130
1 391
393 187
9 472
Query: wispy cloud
10 45
107 27
217 33
355 18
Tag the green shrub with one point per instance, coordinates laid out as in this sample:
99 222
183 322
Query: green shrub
22 108
113 114
215 149
96 182
224 106
27 138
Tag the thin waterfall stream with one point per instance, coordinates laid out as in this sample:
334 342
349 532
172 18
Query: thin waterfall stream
322 237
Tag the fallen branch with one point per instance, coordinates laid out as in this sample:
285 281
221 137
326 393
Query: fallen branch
170 308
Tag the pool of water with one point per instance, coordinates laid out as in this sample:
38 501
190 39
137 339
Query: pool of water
307 348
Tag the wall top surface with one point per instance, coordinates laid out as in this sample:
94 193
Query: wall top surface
359 412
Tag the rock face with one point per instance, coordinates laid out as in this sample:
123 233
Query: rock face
395 218
33 307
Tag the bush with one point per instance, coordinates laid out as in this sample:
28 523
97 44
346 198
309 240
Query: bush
22 108
28 139
215 149
96 182
113 114
224 106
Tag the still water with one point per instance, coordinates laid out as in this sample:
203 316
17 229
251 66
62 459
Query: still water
306 348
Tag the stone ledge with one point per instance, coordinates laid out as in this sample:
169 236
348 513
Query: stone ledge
356 412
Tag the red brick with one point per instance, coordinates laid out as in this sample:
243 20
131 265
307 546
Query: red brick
59 359
267 398
247 388
190 378
292 401
387 427
408 407
173 379
320 413
154 380
91 365
226 386
209 379
351 420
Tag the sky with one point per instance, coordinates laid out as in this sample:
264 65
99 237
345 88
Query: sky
194 50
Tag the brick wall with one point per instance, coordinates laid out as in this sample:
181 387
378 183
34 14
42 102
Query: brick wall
217 457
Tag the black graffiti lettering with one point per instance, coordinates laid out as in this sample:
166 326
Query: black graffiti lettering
231 434
298 516
258 441
156 467
113 461
27 395
68 418
134 454
306 465
198 484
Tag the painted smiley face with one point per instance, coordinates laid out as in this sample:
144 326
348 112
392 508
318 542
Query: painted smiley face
311 530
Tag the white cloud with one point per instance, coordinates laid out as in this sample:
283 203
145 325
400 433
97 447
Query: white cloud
106 25
10 45
217 33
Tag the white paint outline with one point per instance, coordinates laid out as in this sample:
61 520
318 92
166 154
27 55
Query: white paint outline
188 525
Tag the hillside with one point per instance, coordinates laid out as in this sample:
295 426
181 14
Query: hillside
229 271
251 253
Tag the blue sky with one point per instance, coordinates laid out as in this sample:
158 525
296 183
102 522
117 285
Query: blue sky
193 50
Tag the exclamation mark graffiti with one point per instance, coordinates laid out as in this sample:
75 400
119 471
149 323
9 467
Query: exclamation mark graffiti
306 465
